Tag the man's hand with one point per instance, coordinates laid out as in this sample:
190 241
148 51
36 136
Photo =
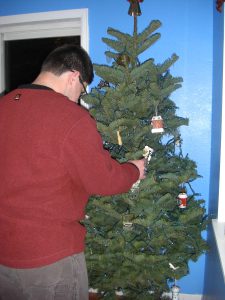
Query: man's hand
140 164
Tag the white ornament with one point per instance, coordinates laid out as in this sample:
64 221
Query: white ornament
173 267
91 290
119 293
147 154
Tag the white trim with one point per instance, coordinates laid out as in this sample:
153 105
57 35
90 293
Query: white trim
181 296
218 228
186 296
45 24
190 297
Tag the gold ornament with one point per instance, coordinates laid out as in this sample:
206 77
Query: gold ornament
123 60
119 138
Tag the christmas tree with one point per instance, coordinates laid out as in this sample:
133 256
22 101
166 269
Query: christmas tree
141 242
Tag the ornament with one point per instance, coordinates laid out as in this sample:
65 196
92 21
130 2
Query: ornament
182 199
102 84
127 221
178 142
147 154
123 59
94 294
119 138
157 124
175 292
134 9
173 267
91 290
119 294
162 251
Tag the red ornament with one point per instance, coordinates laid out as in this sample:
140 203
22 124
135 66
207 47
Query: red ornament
157 124
182 200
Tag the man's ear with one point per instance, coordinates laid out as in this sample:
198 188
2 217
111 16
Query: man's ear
73 76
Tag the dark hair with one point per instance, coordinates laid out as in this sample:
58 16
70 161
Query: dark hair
69 57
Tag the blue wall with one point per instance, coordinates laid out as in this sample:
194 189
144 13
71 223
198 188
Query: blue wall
218 25
187 31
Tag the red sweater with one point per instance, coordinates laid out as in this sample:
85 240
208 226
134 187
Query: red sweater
51 161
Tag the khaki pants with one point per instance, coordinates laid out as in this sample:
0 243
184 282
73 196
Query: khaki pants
64 280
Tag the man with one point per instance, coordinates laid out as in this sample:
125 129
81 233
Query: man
51 161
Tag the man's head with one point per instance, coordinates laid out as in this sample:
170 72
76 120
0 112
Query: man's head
67 69
69 58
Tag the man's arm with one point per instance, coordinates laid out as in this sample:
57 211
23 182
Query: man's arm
85 157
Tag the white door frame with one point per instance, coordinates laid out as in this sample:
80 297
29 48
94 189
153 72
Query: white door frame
41 25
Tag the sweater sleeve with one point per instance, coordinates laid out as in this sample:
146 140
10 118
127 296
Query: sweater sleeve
84 157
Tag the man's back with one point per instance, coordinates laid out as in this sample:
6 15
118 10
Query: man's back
51 161
37 195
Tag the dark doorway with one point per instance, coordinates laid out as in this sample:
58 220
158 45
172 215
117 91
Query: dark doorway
23 58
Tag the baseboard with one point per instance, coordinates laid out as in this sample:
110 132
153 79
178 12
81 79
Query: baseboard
218 228
190 297
187 296
181 296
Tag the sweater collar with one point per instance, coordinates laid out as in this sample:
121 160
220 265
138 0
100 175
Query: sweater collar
35 87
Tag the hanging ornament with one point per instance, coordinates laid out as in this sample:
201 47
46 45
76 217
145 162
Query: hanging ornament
94 294
134 9
123 59
162 251
147 154
182 199
175 292
178 142
119 138
173 267
102 84
157 124
119 294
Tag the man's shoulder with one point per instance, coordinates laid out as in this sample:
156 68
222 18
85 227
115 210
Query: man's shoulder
51 107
